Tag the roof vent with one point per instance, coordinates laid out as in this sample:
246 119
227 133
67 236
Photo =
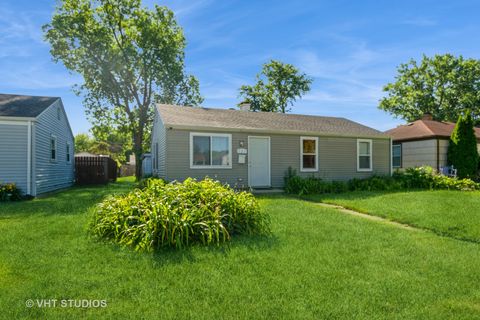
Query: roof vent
427 116
244 106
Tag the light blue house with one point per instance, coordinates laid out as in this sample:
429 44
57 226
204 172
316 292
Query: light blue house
36 144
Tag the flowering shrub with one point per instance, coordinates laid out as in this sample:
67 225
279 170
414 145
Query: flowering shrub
9 192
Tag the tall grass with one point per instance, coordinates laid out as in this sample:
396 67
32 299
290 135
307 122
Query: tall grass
178 215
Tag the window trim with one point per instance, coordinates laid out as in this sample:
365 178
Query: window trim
401 155
211 135
370 169
53 137
68 155
302 169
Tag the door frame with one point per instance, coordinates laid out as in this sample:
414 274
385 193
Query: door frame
269 162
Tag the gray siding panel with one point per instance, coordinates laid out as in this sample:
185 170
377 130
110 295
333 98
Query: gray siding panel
13 154
419 153
178 160
337 158
52 175
158 137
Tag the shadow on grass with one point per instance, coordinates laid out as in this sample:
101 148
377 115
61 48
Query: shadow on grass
166 256
75 200
352 195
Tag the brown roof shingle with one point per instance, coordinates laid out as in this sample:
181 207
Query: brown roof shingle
209 118
423 129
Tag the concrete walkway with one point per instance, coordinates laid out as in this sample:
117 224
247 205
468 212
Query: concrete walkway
366 216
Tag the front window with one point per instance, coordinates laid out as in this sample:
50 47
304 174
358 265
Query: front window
53 148
211 150
309 154
397 155
364 152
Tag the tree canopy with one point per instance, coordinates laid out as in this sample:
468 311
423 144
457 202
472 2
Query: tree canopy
444 86
278 86
462 149
116 144
129 58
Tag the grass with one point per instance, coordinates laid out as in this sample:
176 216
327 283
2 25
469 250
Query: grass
449 213
317 264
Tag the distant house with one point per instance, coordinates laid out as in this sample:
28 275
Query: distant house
147 164
36 143
255 149
422 143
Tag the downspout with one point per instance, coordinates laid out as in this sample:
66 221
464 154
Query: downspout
391 157
438 154
29 157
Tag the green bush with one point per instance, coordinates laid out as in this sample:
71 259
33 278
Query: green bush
462 149
10 192
411 178
178 214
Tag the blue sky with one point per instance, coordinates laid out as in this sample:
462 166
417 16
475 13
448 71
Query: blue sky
350 48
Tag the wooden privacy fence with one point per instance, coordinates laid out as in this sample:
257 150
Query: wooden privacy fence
95 170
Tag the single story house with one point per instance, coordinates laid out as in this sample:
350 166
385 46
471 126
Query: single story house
422 143
255 149
36 143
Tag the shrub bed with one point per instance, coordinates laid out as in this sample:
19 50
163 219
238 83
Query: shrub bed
178 214
10 192
411 178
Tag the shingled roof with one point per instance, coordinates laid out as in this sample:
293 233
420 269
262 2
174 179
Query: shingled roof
208 118
424 129
12 105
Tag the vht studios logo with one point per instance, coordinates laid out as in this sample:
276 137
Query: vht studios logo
65 303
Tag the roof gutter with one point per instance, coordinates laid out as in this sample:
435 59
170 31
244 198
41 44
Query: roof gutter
266 131
6 118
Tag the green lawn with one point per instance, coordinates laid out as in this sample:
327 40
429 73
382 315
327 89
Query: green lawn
318 263
450 213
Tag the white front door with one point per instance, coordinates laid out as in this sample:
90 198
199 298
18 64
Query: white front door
259 162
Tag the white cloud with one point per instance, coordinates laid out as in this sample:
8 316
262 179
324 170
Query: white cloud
36 76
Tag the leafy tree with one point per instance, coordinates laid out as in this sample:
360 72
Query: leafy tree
129 58
278 86
445 86
117 144
83 142
462 150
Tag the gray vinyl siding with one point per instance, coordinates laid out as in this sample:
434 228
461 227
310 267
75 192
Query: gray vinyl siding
178 160
158 136
13 154
337 158
51 175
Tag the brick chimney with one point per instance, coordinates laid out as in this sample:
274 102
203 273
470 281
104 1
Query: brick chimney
427 116
244 106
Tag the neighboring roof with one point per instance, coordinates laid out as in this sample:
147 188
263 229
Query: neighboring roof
181 117
424 129
12 105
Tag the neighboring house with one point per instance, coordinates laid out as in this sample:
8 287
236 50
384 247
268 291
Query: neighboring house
147 164
128 168
36 143
422 143
244 148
